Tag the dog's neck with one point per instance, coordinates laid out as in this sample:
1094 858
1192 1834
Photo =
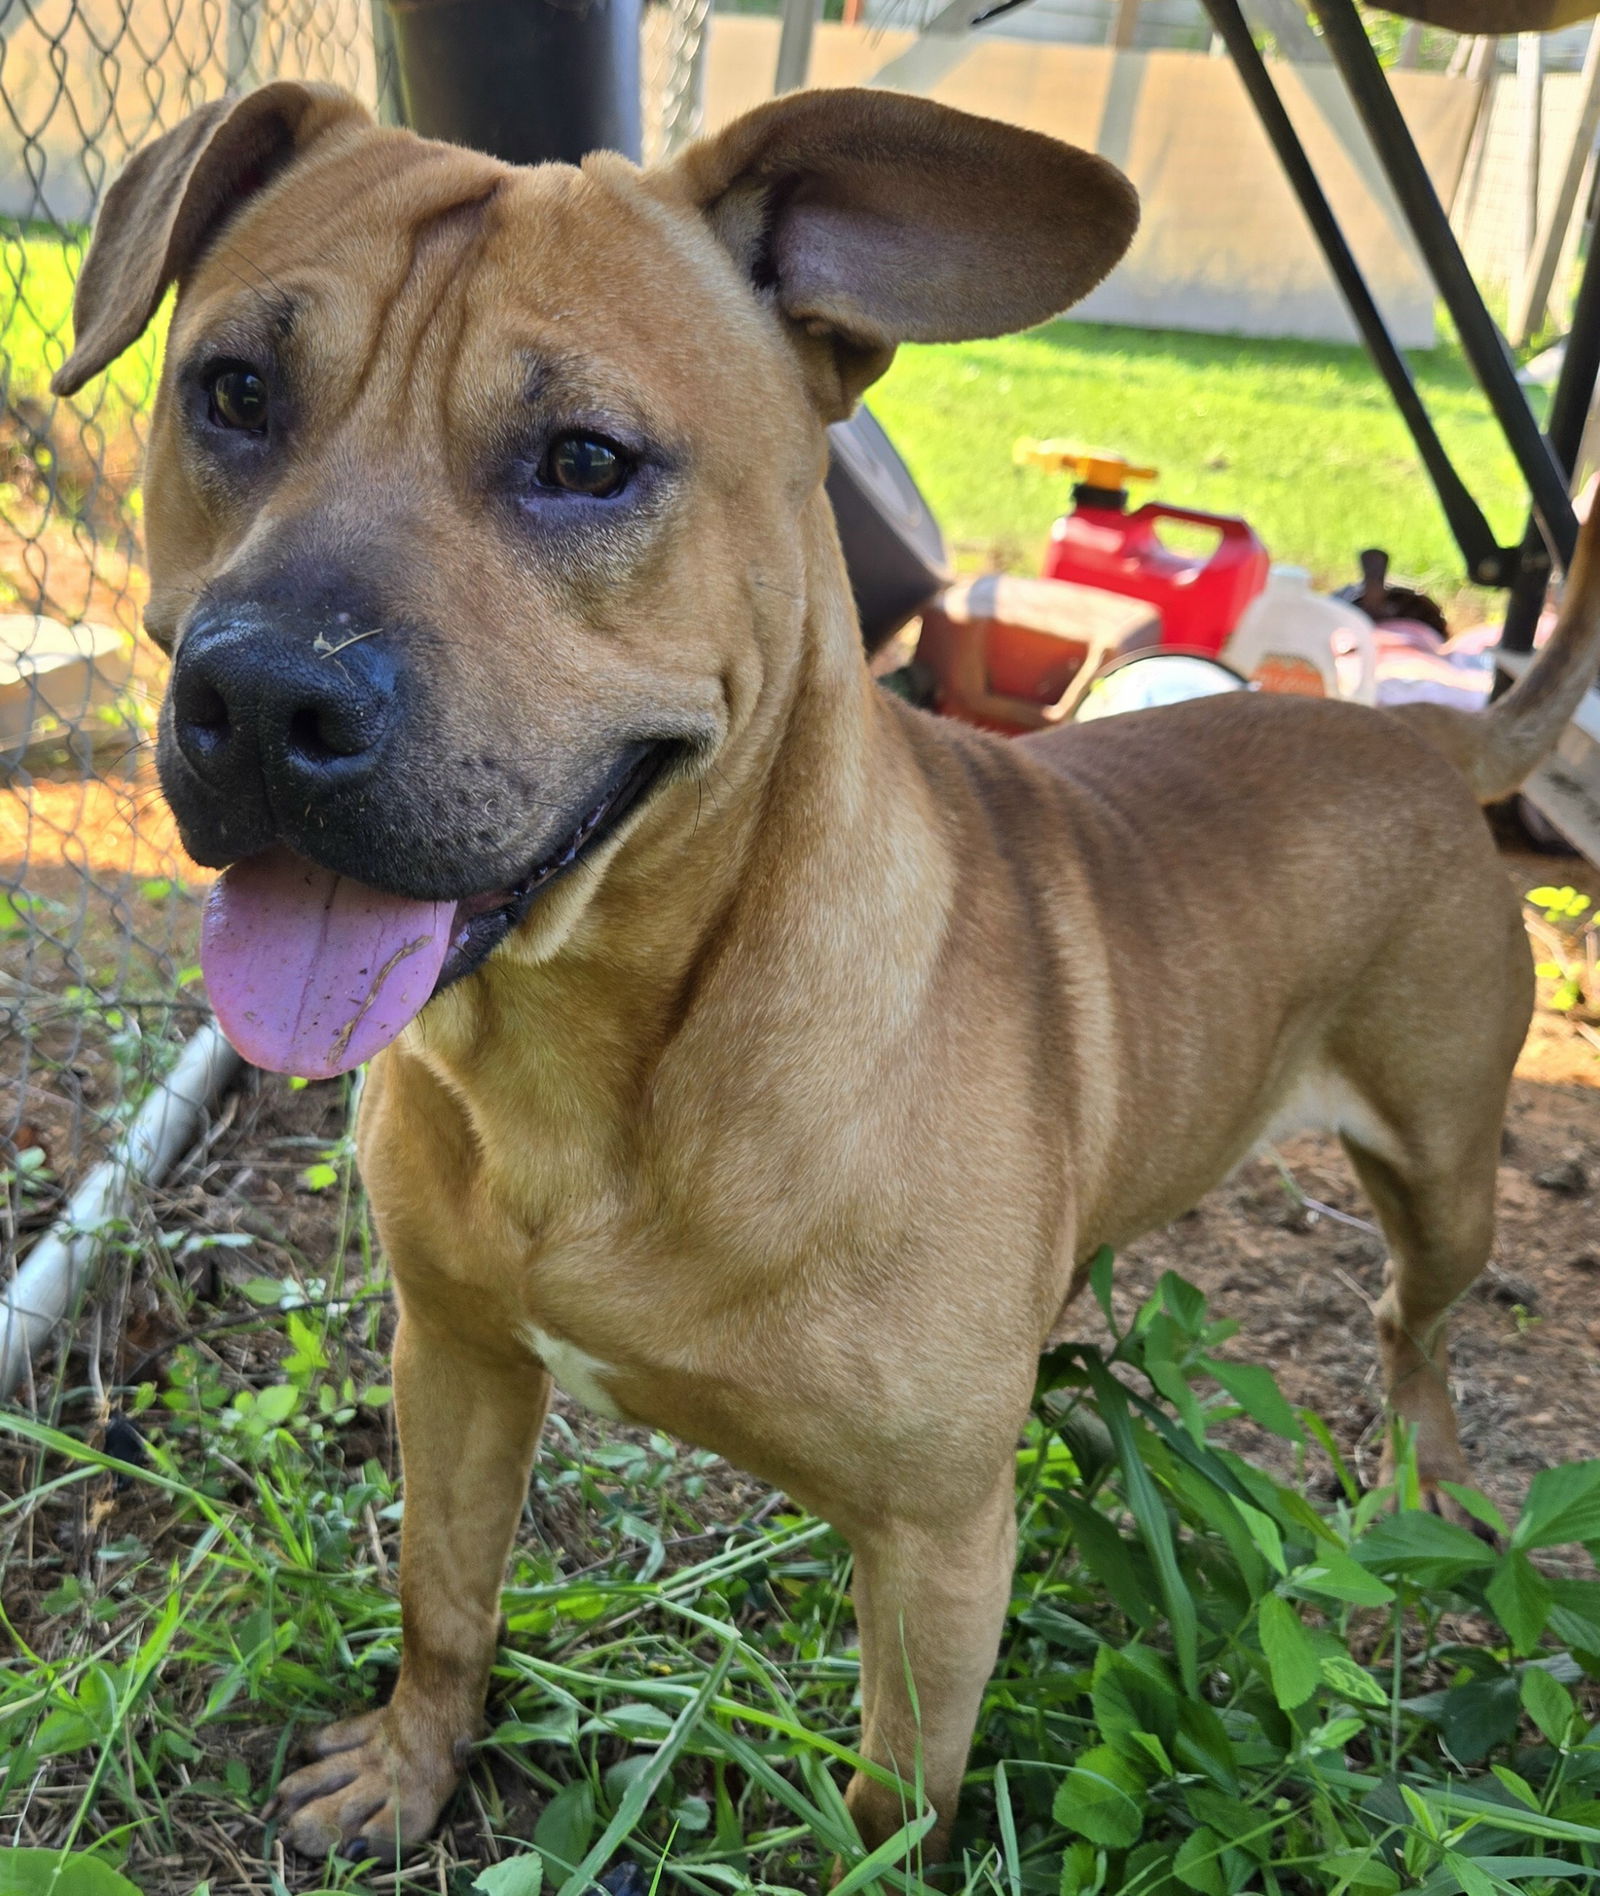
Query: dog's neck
695 938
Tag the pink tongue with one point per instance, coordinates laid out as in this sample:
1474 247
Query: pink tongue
311 973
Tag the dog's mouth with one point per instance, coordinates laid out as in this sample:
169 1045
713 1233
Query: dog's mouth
312 972
482 922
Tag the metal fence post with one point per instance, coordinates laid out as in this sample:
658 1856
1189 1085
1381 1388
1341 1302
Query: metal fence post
241 69
794 44
386 66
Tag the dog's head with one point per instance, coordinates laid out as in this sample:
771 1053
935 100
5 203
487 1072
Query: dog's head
475 496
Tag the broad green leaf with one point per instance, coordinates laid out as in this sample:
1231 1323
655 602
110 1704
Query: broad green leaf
60 1873
1351 1681
1291 1658
1519 1787
1172 1383
1133 1692
1203 1744
1563 1505
1548 1703
1243 1826
1335 1576
1521 1598
1101 1267
1256 1391
518 1876
1336 1733
266 1291
561 1836
1575 1617
1148 1745
1474 1879
1083 1870
1102 1798
1198 1863
1479 1715
1186 1304
1422 1548
1264 1532
1360 1870
1111 1559
559 1726
1213 1507
277 1402
1479 1506
644 1724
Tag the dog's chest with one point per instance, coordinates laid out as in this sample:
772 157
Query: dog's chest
574 1371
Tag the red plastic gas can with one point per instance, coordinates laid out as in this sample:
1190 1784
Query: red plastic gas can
1101 544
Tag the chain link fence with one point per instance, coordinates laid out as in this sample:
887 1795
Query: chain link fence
98 905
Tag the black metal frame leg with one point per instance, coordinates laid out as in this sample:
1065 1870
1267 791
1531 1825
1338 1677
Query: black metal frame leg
1492 361
1488 562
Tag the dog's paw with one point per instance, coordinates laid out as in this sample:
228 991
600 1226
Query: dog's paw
371 1791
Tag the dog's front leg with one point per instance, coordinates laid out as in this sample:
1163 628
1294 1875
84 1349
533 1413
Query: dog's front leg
931 1598
468 1425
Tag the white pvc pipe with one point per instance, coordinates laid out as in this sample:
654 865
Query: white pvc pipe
53 1275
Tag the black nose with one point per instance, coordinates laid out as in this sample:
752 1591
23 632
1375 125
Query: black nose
259 703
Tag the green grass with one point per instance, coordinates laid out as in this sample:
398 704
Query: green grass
1300 438
87 450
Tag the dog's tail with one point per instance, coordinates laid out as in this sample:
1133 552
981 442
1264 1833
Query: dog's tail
1496 749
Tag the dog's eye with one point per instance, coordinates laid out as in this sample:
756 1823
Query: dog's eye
238 400
584 464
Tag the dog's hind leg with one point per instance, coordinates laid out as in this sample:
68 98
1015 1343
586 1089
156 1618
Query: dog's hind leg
1439 1223
930 1599
1425 1086
468 1425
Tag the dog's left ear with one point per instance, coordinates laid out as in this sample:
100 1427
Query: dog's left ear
873 218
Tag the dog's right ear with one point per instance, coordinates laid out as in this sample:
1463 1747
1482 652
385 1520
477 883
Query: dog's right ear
170 200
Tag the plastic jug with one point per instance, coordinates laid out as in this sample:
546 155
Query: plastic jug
1295 640
1100 543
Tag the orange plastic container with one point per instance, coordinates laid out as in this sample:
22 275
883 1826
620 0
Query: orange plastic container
1016 654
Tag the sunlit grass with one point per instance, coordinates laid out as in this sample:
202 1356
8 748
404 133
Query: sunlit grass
1300 438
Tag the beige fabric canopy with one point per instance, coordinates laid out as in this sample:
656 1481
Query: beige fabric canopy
1495 16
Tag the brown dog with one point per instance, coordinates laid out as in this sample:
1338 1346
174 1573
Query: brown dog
795 1050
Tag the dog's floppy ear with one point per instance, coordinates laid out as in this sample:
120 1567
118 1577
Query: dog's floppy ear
873 218
169 200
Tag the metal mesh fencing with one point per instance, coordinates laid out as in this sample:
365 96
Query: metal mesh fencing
674 74
98 905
